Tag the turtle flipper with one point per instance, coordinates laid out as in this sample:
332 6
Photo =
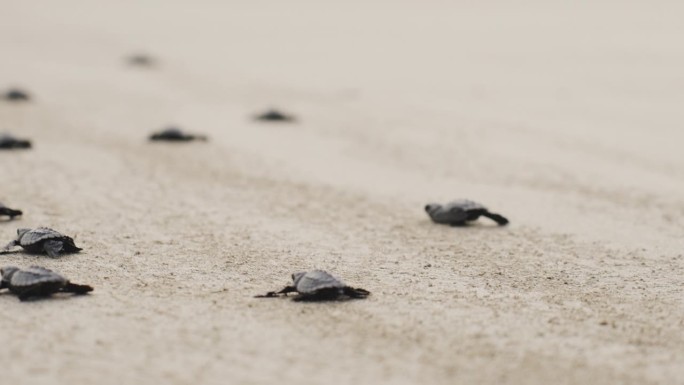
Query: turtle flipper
271 294
10 245
356 293
23 144
53 248
10 212
499 219
14 213
25 295
76 288
68 246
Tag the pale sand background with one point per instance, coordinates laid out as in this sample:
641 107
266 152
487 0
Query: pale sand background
565 117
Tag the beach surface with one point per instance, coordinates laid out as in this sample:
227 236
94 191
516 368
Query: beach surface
566 117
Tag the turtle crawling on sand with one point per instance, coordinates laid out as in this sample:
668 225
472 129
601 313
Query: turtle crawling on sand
8 142
16 95
11 213
141 60
274 116
37 282
318 285
43 240
173 134
459 212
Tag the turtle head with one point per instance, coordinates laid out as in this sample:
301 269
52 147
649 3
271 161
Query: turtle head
432 207
21 232
297 276
7 272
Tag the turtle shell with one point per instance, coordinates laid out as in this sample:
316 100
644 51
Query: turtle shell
316 280
35 276
35 236
463 204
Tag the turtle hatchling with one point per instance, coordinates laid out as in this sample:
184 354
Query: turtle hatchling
173 134
43 240
37 282
460 212
318 285
11 213
274 116
8 142
141 60
16 95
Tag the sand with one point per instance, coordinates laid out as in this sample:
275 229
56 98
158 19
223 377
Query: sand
564 117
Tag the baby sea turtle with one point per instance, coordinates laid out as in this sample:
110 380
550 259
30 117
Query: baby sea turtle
16 95
11 213
141 60
459 212
318 285
173 134
274 116
43 239
37 282
8 142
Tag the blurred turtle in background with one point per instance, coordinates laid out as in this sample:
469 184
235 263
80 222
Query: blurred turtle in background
141 60
16 95
8 142
318 285
273 115
11 213
173 134
460 212
37 282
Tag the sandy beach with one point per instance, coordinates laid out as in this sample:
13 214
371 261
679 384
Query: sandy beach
566 118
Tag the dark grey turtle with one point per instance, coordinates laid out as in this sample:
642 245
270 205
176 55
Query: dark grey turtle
173 134
141 60
459 212
274 116
43 239
8 142
318 285
16 95
37 282
11 213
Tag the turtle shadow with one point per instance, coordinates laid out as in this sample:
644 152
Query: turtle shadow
9 252
53 297
479 226
467 226
35 254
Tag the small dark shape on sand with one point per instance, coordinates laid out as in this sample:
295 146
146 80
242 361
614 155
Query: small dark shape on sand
43 240
16 95
275 116
459 212
11 213
8 142
176 135
141 60
318 285
36 282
